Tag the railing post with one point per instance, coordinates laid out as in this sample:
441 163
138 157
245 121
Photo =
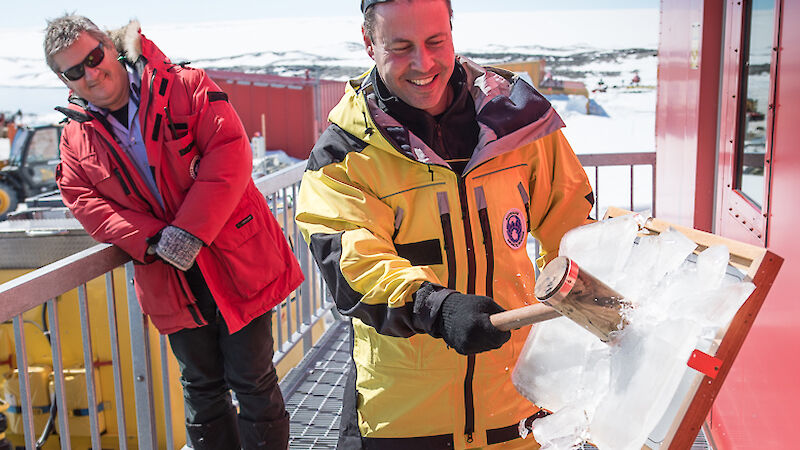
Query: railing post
24 382
653 200
111 303
305 256
142 369
165 388
88 364
597 192
60 399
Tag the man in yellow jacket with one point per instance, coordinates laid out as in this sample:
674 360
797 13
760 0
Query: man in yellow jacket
416 203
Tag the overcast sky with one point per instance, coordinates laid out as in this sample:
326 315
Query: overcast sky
33 13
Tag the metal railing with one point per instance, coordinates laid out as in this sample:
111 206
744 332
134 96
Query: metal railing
294 319
593 164
299 313
621 162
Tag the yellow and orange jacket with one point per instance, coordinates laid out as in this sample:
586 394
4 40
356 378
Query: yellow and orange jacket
384 214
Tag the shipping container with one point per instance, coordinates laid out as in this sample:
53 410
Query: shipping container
290 112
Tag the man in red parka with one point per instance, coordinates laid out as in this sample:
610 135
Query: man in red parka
155 160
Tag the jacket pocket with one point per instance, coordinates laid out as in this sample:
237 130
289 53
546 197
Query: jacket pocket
109 181
246 251
182 145
158 288
94 169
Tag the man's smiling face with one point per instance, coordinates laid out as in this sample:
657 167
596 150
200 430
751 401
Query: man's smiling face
412 45
105 85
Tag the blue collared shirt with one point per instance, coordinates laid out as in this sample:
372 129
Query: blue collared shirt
130 138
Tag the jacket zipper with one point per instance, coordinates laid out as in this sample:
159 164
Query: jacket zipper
449 247
149 102
469 401
469 406
487 242
122 182
526 200
462 195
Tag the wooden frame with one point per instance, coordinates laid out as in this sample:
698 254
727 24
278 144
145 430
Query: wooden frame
759 266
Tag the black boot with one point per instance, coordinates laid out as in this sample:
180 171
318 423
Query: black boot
221 433
265 435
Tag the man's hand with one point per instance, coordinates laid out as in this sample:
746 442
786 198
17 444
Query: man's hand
465 326
178 247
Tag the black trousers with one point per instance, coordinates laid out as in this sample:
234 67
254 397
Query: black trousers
213 362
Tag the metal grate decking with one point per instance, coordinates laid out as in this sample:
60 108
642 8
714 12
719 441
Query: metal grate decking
313 392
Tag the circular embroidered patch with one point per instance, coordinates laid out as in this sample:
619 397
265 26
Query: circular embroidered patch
193 166
514 228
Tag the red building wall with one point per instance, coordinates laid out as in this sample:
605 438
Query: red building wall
695 142
294 110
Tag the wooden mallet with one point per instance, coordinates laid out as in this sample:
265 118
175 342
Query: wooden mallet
564 289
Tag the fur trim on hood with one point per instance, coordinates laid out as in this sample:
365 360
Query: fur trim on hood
127 42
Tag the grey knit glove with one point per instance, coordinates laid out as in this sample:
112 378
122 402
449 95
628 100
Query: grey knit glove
178 247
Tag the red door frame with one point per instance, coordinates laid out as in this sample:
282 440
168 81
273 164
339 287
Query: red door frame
736 216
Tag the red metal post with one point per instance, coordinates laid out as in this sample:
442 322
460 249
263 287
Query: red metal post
686 115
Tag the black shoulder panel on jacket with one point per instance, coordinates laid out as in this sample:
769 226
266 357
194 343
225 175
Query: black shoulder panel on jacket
523 106
216 96
77 116
332 147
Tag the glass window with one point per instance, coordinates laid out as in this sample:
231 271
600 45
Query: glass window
43 146
17 146
755 98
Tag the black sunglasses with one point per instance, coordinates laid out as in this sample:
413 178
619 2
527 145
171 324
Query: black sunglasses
77 71
367 3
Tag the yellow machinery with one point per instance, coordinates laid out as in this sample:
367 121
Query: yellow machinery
547 86
40 368
534 69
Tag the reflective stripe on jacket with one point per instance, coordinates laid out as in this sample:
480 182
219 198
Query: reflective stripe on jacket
201 161
383 213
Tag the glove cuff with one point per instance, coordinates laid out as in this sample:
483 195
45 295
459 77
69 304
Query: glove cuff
178 247
428 301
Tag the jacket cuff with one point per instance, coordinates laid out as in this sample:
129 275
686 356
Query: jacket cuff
427 307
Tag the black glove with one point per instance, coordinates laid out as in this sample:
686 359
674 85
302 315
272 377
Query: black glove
464 323
178 247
